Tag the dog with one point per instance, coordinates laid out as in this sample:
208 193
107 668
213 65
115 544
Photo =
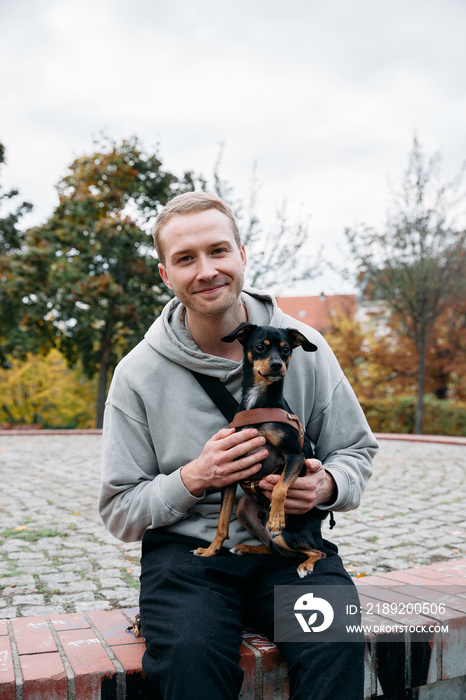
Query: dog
266 356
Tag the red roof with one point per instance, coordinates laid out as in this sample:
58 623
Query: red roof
316 311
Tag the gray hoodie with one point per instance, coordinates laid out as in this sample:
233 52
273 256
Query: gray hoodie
158 418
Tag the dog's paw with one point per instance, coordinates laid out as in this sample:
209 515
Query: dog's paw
304 571
276 522
275 527
206 551
237 550
241 549
307 567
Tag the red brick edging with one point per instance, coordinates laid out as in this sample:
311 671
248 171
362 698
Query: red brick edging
47 432
408 437
86 656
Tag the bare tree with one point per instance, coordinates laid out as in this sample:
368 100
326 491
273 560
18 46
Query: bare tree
416 264
276 252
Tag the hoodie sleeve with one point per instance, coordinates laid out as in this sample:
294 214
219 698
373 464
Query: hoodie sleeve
339 430
345 445
134 495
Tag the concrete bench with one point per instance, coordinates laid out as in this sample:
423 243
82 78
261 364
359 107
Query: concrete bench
92 656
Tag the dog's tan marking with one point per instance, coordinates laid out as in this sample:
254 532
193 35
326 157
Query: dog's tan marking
272 435
280 542
262 369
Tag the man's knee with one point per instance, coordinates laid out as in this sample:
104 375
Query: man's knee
199 668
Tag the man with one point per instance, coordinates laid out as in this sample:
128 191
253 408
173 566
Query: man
167 454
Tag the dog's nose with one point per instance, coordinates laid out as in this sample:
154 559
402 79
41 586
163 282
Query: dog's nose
275 366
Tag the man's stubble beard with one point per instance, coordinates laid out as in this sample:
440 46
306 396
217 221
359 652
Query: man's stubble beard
208 310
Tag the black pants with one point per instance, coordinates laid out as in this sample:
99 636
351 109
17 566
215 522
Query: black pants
193 610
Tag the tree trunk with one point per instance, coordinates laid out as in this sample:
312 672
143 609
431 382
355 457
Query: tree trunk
103 373
419 417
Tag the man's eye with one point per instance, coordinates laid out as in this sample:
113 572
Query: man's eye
218 251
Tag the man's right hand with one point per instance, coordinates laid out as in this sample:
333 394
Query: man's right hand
224 460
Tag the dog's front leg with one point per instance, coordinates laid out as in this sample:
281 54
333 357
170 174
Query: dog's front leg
223 524
289 475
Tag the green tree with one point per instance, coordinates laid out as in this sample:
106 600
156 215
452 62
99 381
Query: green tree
11 240
89 272
10 234
416 264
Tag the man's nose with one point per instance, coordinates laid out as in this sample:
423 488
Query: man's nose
206 268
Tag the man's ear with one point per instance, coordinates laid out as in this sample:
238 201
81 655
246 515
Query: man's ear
164 276
296 338
241 333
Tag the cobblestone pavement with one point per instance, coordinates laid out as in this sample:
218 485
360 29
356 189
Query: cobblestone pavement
57 557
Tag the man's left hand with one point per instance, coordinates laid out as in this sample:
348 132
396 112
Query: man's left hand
317 486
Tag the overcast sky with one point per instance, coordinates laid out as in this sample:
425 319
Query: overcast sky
325 96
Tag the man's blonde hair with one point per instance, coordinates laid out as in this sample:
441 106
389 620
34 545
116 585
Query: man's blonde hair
188 203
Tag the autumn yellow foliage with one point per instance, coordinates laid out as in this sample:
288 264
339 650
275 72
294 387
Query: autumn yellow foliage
43 390
382 370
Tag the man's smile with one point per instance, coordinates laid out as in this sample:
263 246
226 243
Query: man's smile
211 289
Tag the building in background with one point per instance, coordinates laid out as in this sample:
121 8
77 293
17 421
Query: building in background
317 311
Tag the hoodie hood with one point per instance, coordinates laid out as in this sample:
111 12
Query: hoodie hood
170 337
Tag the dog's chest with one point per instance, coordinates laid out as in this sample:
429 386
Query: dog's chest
252 397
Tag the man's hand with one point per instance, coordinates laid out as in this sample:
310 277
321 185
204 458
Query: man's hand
317 486
225 459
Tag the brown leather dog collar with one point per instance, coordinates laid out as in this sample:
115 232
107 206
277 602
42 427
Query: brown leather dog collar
268 415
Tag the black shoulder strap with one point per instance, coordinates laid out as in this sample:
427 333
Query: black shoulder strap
225 402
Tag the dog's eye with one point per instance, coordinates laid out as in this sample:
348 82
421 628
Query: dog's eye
260 347
286 351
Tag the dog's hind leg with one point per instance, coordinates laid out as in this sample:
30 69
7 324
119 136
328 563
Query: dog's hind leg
247 513
223 524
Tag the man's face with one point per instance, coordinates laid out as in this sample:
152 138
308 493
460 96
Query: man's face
203 265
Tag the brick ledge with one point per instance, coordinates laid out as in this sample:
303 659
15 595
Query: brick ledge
408 437
86 656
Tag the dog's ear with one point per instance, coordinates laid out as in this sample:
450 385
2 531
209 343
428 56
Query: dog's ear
241 333
297 338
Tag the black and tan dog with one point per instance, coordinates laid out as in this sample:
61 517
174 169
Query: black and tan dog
267 352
